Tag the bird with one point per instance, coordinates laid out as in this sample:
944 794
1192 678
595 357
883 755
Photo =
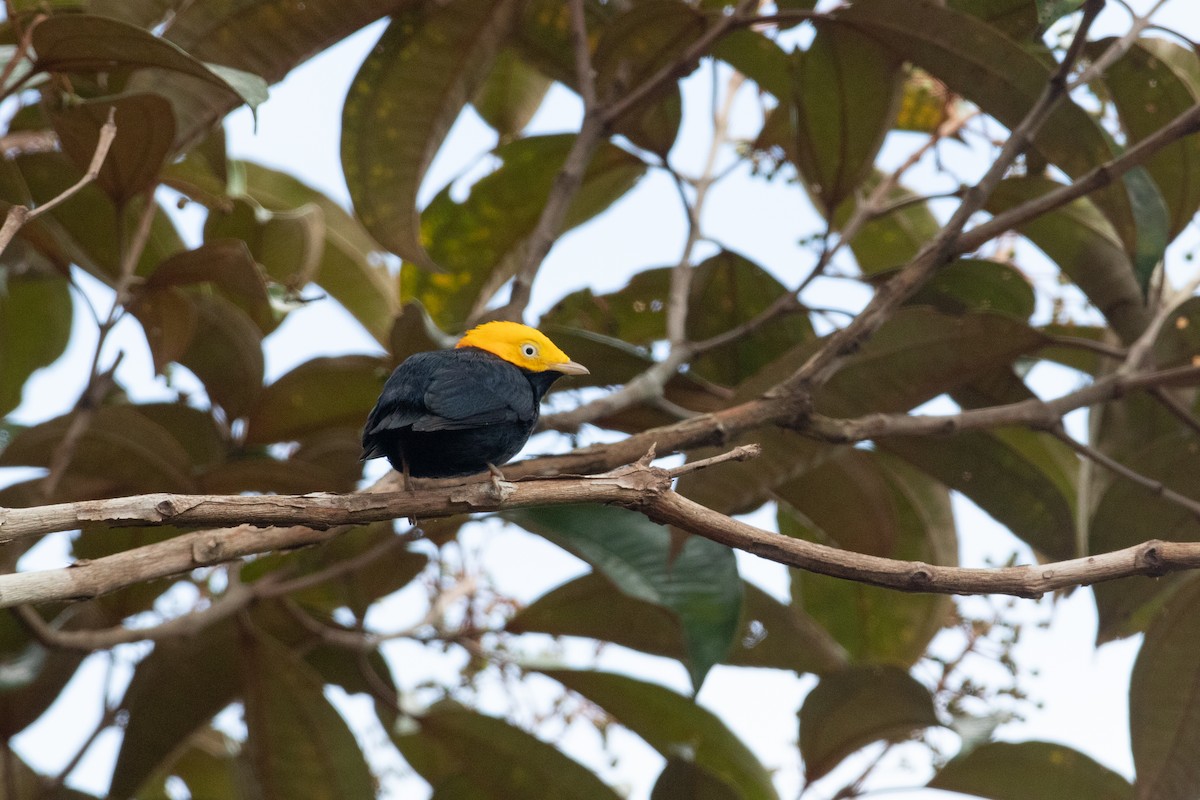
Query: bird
452 413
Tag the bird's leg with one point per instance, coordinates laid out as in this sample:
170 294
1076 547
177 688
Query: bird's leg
496 477
408 487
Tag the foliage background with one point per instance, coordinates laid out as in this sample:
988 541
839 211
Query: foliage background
578 255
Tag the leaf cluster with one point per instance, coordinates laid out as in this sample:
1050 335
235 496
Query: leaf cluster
917 72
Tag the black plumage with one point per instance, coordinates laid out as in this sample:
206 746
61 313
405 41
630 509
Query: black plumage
453 412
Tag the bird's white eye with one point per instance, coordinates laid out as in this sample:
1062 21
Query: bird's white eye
528 350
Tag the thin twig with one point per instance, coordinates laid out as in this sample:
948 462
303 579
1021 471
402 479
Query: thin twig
1117 468
1091 345
101 381
826 361
24 44
1185 124
235 599
568 181
1118 48
1141 350
697 50
1033 413
19 215
741 453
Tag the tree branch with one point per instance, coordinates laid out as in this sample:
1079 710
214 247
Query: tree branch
19 215
568 181
1149 558
1185 124
639 487
825 362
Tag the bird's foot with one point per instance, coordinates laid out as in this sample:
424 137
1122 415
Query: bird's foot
499 490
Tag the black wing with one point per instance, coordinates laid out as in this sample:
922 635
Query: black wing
452 390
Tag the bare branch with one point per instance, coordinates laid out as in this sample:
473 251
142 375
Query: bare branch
697 50
1116 467
319 511
639 487
825 362
742 453
236 598
1033 413
1185 124
19 215
1118 48
1149 558
568 181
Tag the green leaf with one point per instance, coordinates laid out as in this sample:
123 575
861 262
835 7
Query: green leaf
407 94
891 240
208 765
850 709
1050 11
925 103
1085 247
225 265
1164 710
634 314
1150 212
770 634
85 43
266 475
1017 19
299 745
613 362
169 320
1151 84
161 716
85 227
336 451
698 584
122 448
25 784
974 284
672 724
635 45
481 241
348 270
869 503
226 354
1025 479
143 13
845 95
31 676
414 332
727 290
683 780
355 589
145 133
1004 79
759 58
301 402
1127 514
1030 771
35 326
917 355
511 94
465 754
1179 340
201 435
266 38
288 244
